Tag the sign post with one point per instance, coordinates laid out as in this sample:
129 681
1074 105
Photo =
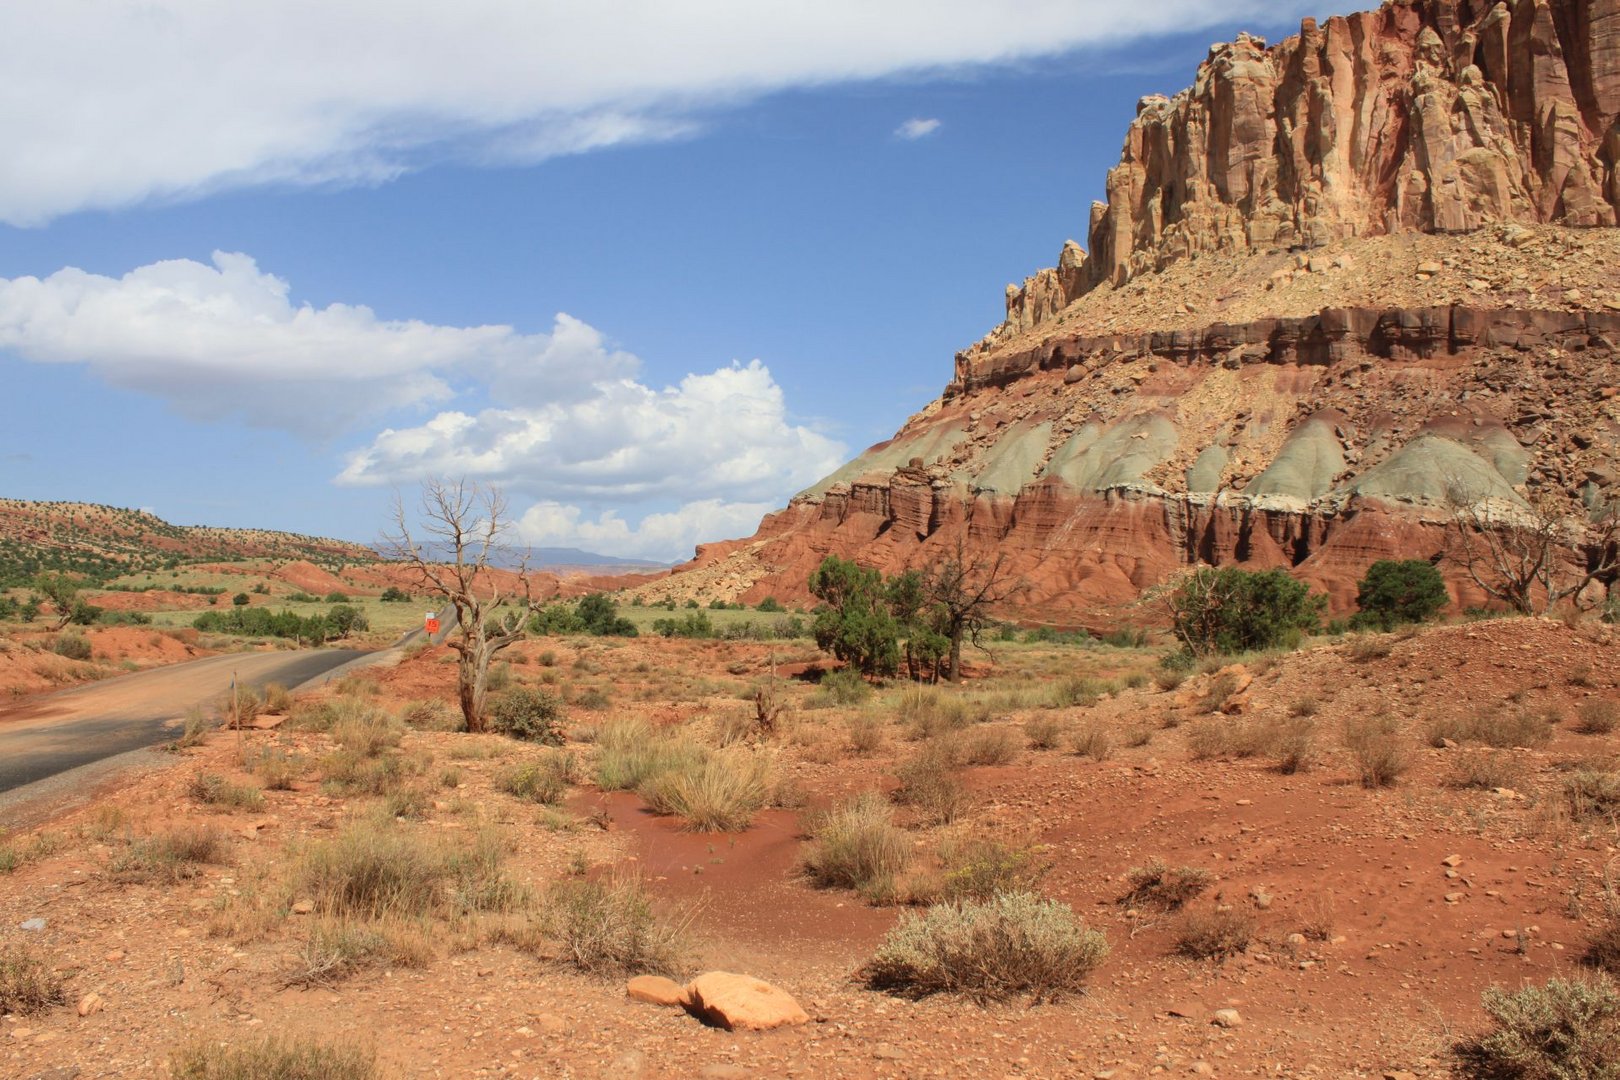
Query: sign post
430 623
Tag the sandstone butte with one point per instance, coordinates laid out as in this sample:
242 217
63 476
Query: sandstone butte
1334 279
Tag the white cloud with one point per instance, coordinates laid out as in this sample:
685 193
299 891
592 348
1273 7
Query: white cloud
917 128
724 435
226 339
662 537
111 104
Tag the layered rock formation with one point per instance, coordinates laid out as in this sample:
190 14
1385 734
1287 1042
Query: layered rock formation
1396 282
1428 115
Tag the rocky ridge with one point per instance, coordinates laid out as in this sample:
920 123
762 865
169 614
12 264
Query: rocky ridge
1389 242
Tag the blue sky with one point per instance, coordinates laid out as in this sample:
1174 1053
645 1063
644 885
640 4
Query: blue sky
651 274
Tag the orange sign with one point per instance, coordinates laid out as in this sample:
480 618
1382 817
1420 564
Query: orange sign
431 624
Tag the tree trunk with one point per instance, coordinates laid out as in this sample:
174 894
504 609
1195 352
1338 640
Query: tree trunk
955 673
472 684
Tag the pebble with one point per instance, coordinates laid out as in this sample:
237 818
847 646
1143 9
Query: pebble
91 1004
32 925
1227 1018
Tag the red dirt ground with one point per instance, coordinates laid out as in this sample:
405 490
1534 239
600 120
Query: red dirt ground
1411 940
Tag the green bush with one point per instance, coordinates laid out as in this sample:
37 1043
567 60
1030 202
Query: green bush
1396 592
394 595
72 646
1013 944
1231 610
854 622
528 714
1565 1030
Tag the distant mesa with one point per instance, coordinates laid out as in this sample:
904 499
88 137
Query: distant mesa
1334 277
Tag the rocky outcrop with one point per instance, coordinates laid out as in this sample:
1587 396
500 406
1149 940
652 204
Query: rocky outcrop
1425 115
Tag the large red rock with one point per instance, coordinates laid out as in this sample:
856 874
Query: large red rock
742 1003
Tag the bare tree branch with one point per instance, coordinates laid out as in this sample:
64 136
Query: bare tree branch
467 522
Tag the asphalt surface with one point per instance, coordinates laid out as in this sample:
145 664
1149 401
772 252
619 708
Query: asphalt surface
50 735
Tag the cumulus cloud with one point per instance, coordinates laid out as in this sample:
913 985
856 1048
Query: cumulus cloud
725 435
109 105
226 339
917 128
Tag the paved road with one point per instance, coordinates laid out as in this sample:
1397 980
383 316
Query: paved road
76 727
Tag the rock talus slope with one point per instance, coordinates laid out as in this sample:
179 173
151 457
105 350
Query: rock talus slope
1336 281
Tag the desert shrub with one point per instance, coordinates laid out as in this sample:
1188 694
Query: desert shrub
1377 749
978 867
1597 717
499 677
277 698
844 687
1093 740
928 784
273 1058
196 730
1564 1030
212 789
1593 792
170 856
928 712
1304 707
865 734
1079 692
544 781
431 714
1291 743
718 792
1169 678
1229 610
1044 732
1394 592
1160 885
27 983
1010 945
1215 934
363 730
528 714
1487 769
1603 947
1502 728
72 646
338 948
610 928
984 746
856 845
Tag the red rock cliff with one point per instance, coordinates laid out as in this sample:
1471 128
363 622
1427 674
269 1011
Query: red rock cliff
1333 280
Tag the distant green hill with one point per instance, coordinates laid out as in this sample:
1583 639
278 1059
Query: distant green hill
104 542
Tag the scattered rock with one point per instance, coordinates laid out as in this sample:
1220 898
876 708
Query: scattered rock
742 1002
91 1004
1227 1018
657 990
32 925
1451 860
626 1066
303 907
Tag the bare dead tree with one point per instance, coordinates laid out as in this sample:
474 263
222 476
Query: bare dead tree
462 524
1531 557
964 591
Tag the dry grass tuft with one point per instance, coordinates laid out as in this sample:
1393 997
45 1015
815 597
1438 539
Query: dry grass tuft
856 845
1597 717
1487 769
610 928
718 792
210 789
928 784
27 983
1160 885
1216 934
1378 750
273 1058
170 856
1093 740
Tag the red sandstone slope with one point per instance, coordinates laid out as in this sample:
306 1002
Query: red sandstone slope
1335 278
